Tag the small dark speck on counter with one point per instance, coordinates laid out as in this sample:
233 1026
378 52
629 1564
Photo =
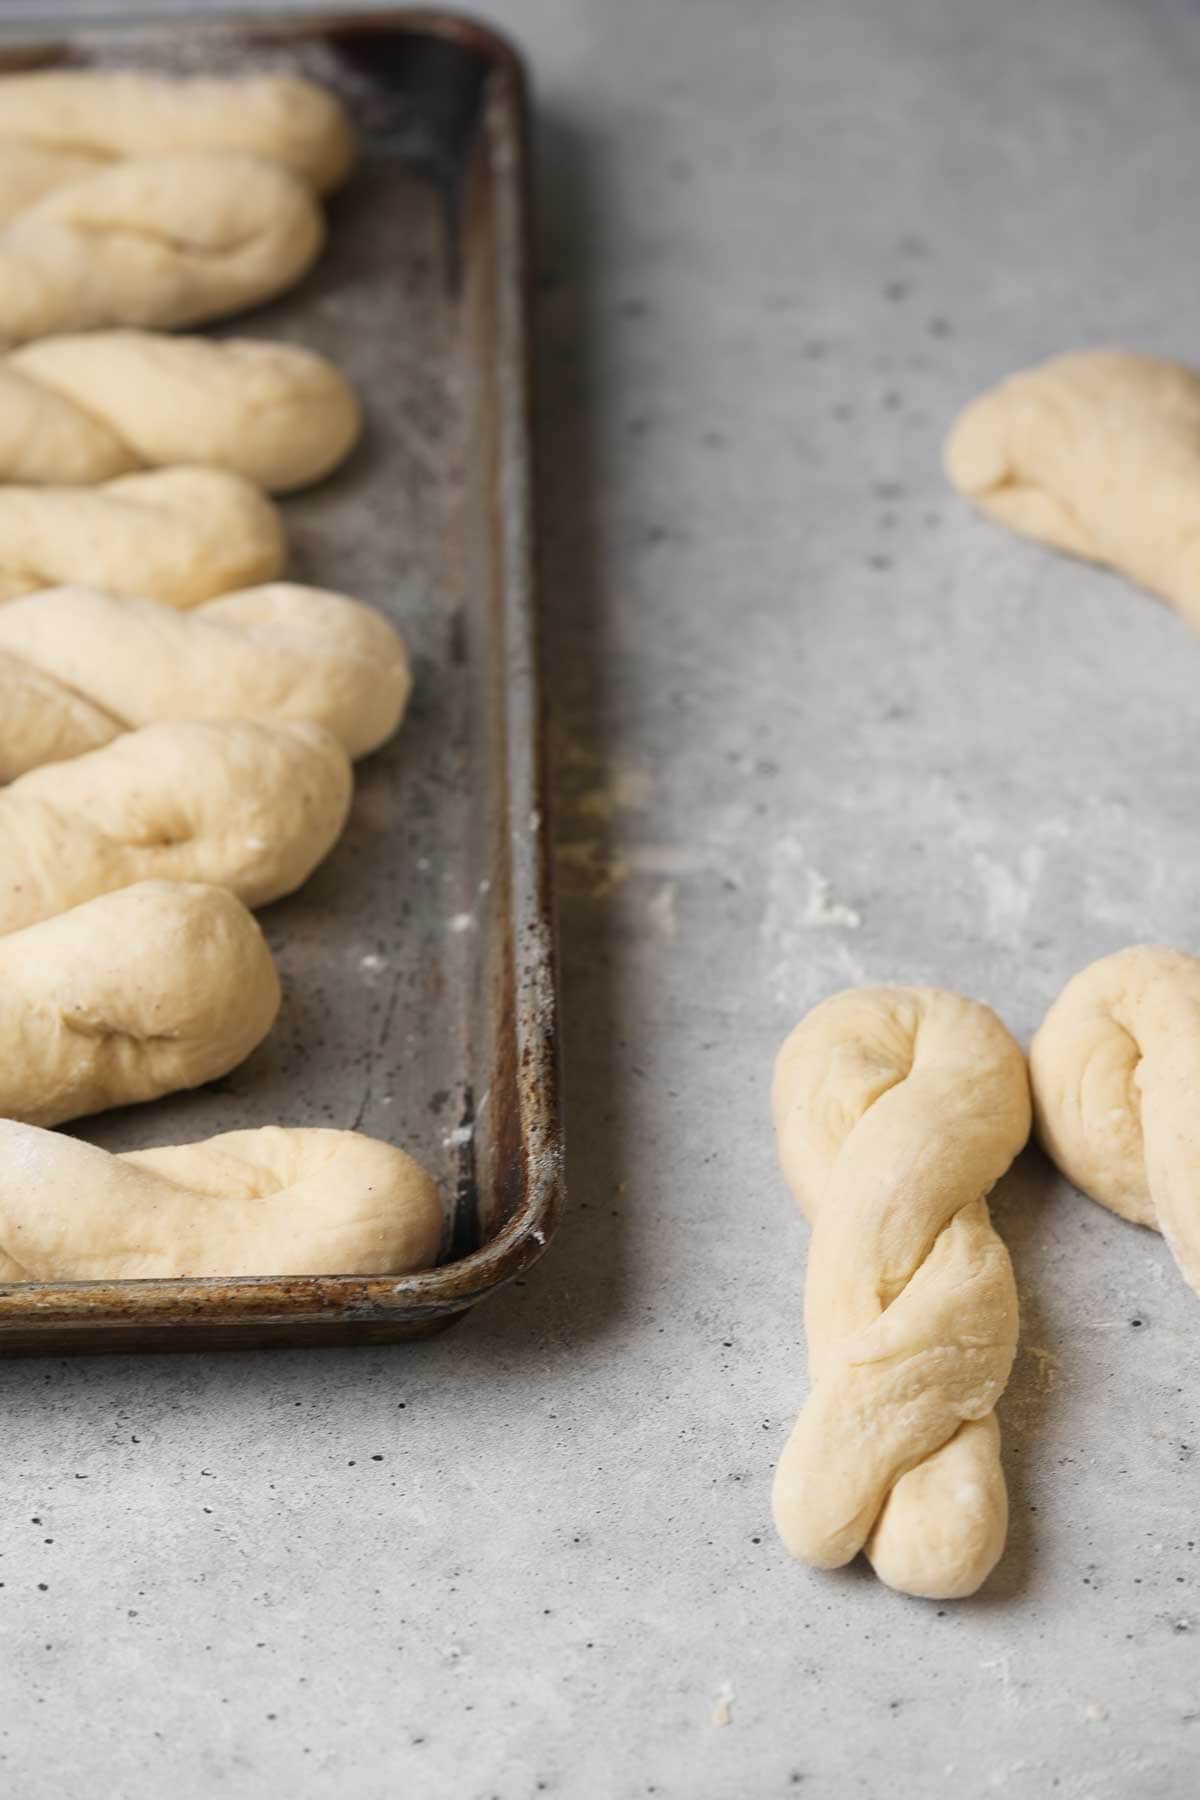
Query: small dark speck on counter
940 328
1137 1323
377 1458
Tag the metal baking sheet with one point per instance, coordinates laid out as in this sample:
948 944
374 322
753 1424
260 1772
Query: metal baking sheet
418 963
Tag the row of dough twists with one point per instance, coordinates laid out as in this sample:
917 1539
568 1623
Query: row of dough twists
896 1111
167 769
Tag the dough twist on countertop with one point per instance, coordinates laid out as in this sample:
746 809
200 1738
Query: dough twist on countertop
78 667
896 1110
1096 453
59 124
81 409
271 1202
165 241
133 995
248 806
180 535
1116 1078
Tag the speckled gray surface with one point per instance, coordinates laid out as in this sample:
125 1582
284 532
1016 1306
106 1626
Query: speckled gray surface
796 683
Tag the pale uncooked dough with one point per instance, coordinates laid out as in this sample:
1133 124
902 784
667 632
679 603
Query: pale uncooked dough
57 124
78 667
1116 1075
896 1110
158 987
272 1202
41 721
81 409
252 806
175 535
163 241
1098 454
27 171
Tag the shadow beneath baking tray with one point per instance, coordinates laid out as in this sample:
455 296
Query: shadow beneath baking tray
581 1287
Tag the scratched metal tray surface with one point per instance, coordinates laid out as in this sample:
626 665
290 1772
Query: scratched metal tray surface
418 963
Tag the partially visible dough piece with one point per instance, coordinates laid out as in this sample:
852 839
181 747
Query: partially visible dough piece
163 241
1098 454
252 807
896 1109
181 535
83 408
272 1202
1116 1074
135 994
78 667
94 115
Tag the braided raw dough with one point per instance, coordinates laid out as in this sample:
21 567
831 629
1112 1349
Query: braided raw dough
1096 453
896 1110
164 241
269 1202
250 806
58 124
181 535
1116 1073
136 994
78 667
77 410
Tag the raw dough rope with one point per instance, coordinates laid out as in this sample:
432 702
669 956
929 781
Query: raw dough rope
179 535
59 124
82 409
1116 1073
164 241
896 1110
253 807
272 1202
133 995
78 667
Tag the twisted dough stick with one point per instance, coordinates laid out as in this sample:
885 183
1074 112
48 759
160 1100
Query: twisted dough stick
1098 454
77 410
182 535
167 241
896 1110
136 994
1116 1074
58 124
77 668
252 807
269 1202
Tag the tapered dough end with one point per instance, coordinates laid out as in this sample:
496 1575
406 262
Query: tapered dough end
975 454
157 987
367 703
803 1528
943 1527
355 1204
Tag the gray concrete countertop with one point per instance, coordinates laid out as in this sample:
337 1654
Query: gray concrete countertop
817 724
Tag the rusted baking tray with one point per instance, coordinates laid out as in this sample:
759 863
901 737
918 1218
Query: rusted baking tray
418 963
